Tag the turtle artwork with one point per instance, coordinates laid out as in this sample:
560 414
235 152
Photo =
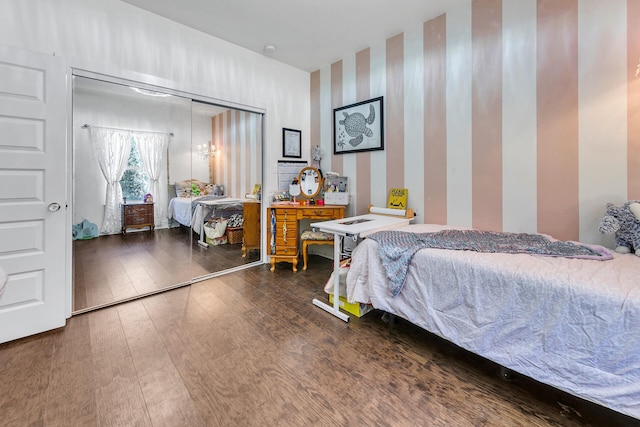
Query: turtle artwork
356 125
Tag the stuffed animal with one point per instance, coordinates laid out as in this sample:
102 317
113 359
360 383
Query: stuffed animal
624 221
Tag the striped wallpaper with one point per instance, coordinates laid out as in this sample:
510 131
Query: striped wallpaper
518 115
237 136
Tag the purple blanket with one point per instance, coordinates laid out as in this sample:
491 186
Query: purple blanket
397 248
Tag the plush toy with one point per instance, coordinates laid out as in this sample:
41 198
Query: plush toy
624 221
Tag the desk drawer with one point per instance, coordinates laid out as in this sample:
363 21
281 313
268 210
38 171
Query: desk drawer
282 249
285 215
320 213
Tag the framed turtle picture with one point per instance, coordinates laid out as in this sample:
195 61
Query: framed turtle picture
359 127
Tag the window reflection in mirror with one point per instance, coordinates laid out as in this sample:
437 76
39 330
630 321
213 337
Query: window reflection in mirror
115 266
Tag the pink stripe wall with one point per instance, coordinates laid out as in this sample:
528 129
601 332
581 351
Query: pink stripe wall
238 153
435 120
486 107
336 101
467 55
633 100
213 169
228 116
237 165
363 160
394 112
557 112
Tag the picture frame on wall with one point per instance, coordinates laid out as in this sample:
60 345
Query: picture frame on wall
291 143
359 127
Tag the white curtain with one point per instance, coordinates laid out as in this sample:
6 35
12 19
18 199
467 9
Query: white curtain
112 148
153 154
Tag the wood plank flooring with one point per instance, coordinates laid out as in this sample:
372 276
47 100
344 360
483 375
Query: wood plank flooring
250 349
116 267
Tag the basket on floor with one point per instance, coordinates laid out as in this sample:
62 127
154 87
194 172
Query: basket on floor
234 235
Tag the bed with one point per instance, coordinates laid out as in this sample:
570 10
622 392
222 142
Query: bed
181 210
195 211
571 323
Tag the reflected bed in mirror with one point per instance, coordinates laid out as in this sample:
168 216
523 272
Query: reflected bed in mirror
115 267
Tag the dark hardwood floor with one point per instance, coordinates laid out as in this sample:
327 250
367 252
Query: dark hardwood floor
116 267
250 349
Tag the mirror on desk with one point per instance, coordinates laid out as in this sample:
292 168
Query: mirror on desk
310 180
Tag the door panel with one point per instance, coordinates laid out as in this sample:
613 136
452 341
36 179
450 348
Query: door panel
32 178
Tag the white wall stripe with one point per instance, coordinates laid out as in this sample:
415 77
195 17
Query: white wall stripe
378 62
413 122
602 89
349 97
519 186
459 198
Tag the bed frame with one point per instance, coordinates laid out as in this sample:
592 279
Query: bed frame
573 324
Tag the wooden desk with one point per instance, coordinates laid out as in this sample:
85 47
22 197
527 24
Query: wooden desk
283 228
251 235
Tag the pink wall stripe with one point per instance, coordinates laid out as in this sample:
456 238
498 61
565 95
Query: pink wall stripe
247 155
394 112
486 128
435 120
212 161
336 101
633 100
227 152
557 114
314 132
363 160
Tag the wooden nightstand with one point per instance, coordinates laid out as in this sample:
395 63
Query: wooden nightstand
137 215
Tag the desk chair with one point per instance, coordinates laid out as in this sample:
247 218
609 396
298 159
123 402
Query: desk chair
310 237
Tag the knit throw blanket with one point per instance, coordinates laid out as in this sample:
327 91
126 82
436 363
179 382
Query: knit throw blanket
397 248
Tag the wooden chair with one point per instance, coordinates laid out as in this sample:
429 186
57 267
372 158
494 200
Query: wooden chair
310 237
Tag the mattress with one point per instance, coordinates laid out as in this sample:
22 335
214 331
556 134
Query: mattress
570 323
180 209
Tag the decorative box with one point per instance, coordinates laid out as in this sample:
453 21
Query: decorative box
336 190
357 309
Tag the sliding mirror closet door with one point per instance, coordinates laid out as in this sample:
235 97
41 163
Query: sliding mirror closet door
166 191
227 179
128 145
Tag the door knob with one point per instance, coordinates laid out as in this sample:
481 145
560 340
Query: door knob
54 207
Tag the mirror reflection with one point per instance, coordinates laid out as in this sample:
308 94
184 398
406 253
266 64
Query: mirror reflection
162 191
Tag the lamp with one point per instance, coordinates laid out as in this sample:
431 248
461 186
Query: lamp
205 151
294 190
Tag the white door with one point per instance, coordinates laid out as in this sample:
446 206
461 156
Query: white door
32 186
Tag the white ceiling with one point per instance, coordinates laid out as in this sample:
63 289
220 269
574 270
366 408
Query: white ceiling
307 34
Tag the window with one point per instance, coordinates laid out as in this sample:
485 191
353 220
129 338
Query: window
134 181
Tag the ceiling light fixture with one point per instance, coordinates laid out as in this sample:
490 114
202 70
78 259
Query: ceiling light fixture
148 92
204 151
269 49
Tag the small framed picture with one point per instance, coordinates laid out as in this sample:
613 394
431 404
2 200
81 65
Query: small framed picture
291 143
359 127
